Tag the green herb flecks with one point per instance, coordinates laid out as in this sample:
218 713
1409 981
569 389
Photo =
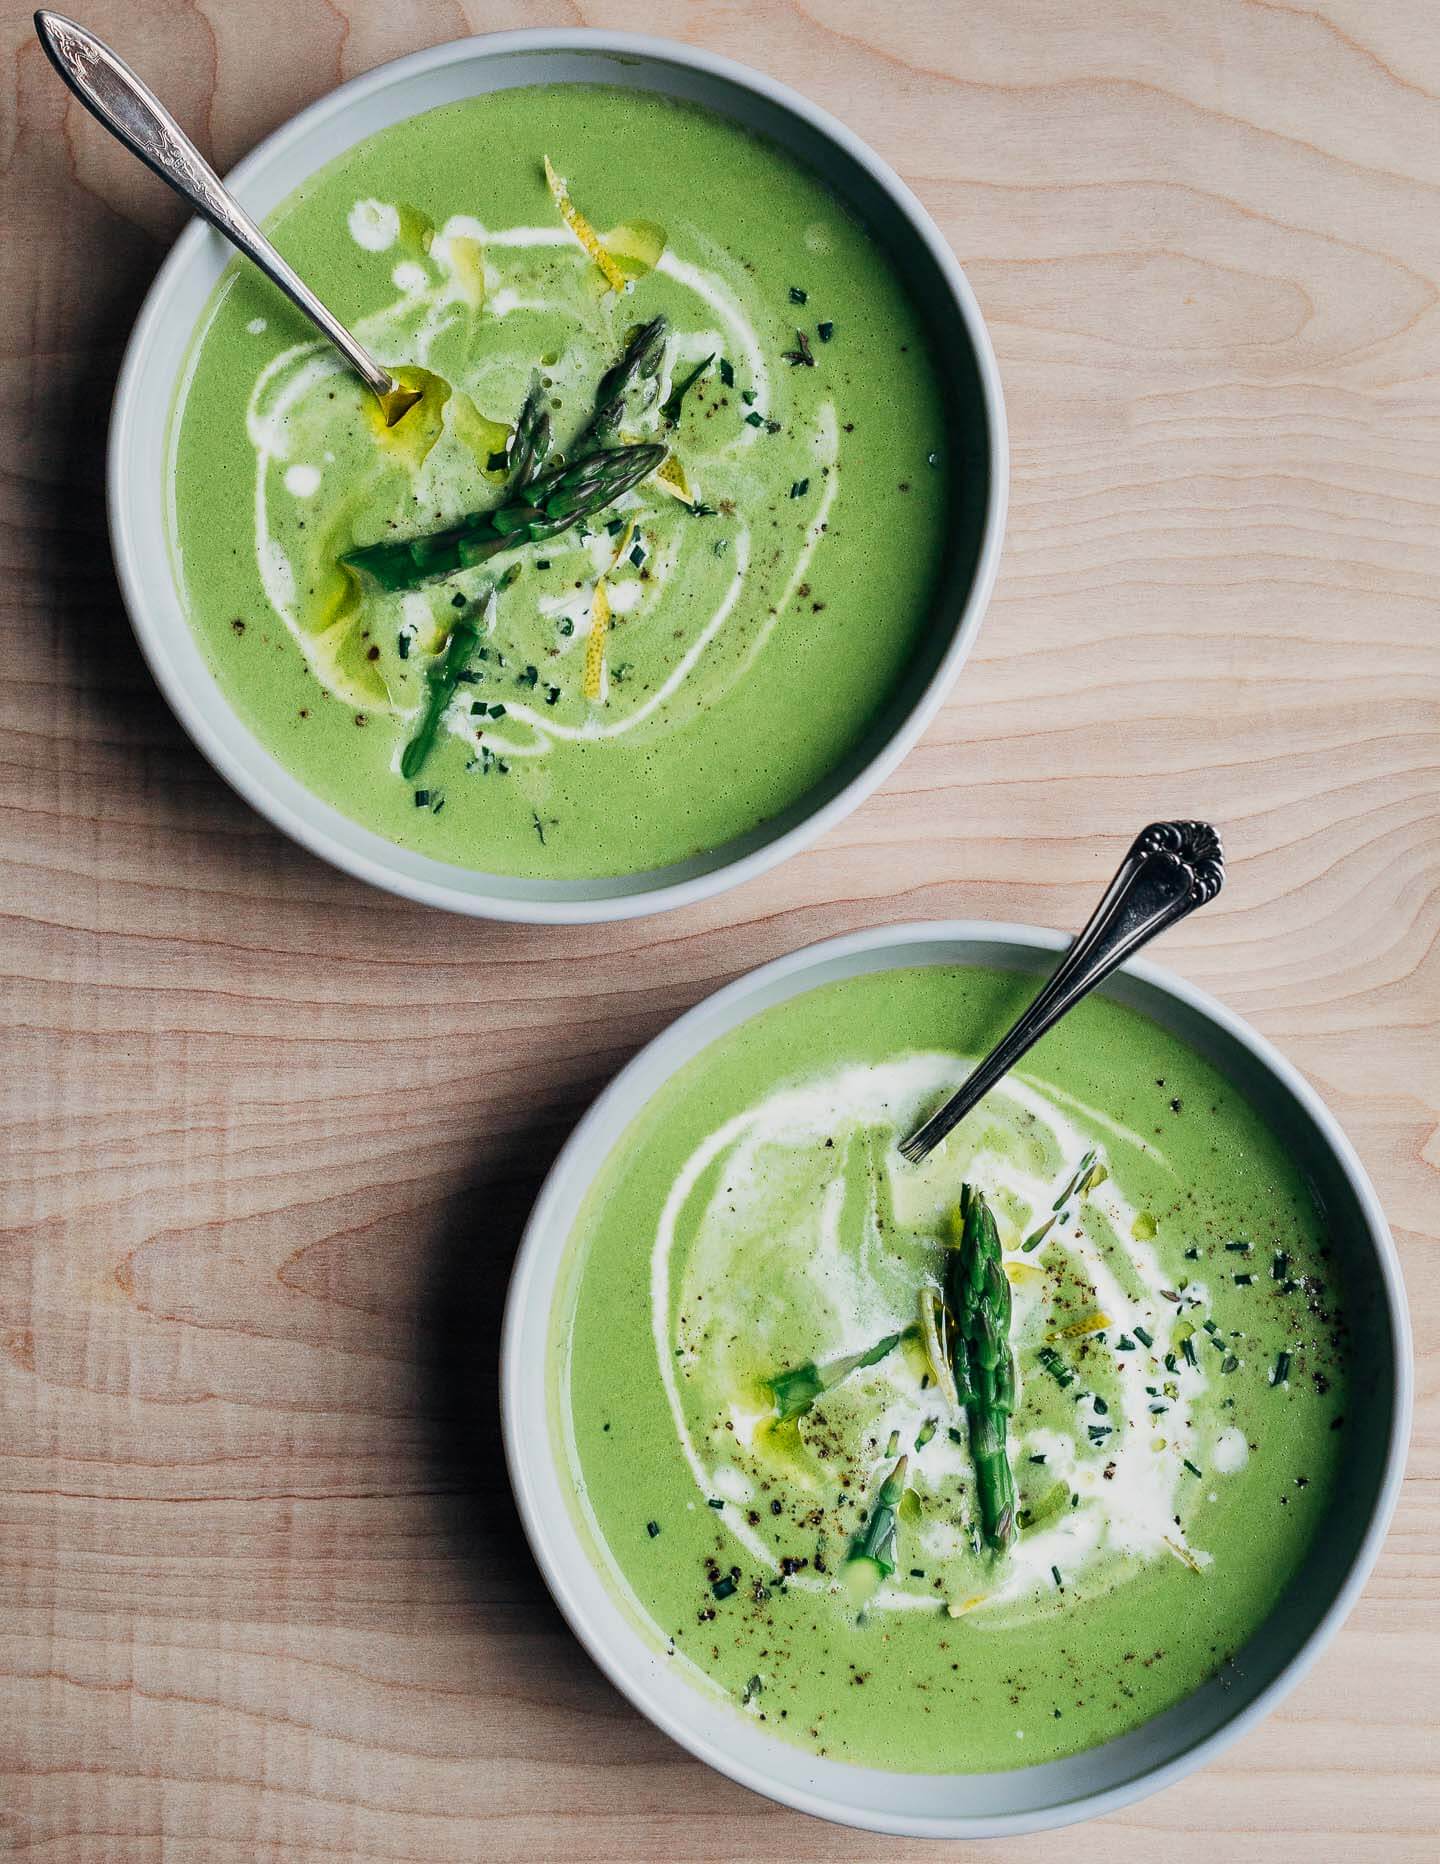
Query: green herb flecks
1055 1366
977 1294
671 410
441 680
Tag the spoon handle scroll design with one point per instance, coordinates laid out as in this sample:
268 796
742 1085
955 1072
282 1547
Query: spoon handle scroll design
1172 868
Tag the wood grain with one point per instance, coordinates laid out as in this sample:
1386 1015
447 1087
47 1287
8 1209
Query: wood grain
268 1137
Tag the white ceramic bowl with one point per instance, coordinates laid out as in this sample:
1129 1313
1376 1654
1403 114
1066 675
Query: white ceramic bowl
1057 1792
139 525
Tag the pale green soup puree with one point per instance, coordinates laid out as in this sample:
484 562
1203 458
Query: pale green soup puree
753 632
1181 1362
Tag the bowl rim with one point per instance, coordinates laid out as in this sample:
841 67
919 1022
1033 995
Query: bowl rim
527 1437
306 822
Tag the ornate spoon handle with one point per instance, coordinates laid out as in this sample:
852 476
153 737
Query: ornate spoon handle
134 115
1172 868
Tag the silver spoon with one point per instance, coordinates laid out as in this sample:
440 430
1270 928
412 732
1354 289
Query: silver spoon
131 112
1172 868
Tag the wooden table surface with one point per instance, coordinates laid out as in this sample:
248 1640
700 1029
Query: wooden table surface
267 1137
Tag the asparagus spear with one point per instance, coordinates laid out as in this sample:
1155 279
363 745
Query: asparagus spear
978 1295
639 367
796 1390
442 679
531 440
872 1552
541 509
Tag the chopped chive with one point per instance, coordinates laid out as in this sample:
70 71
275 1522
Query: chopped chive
752 419
1187 1347
1098 1432
567 626
712 1501
1191 1467
1157 1410
1037 1459
917 1572
1124 1344
799 488
496 462
1055 1366
1101 1408
1192 1255
727 372
542 563
402 646
652 1528
954 1435
1055 1574
1282 1369
722 1588
797 296
1036 1237
422 799
1244 1281
497 711
552 695
747 395
825 331
1238 1249
457 600
1143 1337
1280 1267
1229 1363
1172 1364
637 555
751 1689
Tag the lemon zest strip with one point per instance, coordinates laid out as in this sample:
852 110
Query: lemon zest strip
588 238
594 680
1088 1323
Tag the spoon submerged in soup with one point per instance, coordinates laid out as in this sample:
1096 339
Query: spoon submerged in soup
132 113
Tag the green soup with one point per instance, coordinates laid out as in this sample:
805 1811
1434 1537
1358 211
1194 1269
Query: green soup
747 636
1180 1422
